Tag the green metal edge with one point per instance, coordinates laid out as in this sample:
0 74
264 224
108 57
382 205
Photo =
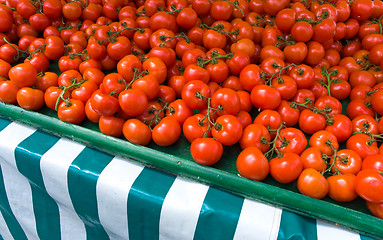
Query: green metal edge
354 220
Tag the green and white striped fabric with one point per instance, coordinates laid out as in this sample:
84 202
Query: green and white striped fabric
54 188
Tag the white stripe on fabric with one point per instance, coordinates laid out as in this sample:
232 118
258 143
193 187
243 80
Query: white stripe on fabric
181 209
17 187
54 167
258 221
327 231
113 186
4 231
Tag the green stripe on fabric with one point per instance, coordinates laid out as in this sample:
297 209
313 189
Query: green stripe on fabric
28 155
296 227
4 123
219 215
12 223
145 200
362 237
82 180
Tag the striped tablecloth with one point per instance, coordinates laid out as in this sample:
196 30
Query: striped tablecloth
54 188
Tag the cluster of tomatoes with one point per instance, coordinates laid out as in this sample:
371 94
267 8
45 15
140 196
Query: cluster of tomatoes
262 74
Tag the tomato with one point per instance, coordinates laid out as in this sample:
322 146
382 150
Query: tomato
329 104
295 53
303 75
252 164
315 53
286 168
376 209
156 67
358 107
312 157
221 10
361 9
289 115
325 141
133 101
179 110
245 101
255 135
324 31
196 126
313 184
137 132
39 61
72 111
374 161
265 97
291 140
111 125
206 151
72 10
376 101
362 77
362 144
285 19
228 130
23 75
6 21
311 122
166 132
8 92
347 161
369 185
119 48
249 77
341 126
365 123
129 66
190 92
46 80
286 86
341 187
52 8
226 100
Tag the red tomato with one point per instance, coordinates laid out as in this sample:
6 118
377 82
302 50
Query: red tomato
347 161
265 97
166 132
341 187
293 141
313 184
255 135
362 144
286 168
252 164
137 132
373 161
376 209
312 157
369 185
228 130
23 75
325 141
30 99
72 111
111 125
206 151
226 100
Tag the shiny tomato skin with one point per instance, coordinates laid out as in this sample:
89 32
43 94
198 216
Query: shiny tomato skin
369 185
206 151
252 164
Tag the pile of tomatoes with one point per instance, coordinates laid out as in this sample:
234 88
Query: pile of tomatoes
262 74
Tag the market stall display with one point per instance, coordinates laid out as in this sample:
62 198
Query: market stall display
278 101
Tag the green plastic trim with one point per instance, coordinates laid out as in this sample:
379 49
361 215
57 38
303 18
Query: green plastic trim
349 218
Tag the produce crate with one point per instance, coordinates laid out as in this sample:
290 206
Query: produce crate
177 160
